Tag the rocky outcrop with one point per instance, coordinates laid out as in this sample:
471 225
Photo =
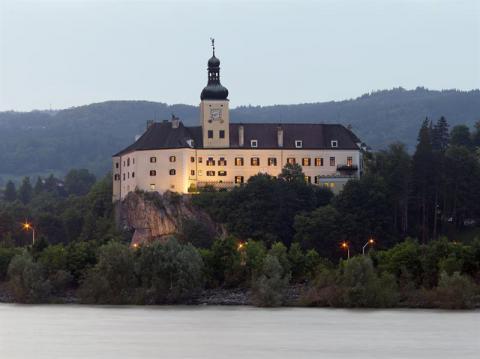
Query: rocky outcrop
153 216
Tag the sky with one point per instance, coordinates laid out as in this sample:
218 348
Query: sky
58 54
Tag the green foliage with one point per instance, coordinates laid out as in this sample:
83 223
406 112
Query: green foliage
25 191
112 280
292 173
79 182
296 259
269 288
6 255
460 136
255 256
10 193
27 280
197 233
169 273
456 291
224 263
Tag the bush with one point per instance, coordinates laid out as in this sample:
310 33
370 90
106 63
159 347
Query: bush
27 280
224 263
255 256
6 255
197 233
456 291
112 280
169 273
269 288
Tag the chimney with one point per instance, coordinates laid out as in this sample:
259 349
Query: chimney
149 124
175 121
280 136
241 136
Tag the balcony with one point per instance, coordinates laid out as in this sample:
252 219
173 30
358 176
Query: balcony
347 168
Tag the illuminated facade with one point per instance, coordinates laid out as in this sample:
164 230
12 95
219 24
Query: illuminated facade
171 156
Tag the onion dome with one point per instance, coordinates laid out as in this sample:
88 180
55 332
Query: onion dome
214 89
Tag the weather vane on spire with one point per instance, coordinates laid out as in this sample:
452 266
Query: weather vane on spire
213 45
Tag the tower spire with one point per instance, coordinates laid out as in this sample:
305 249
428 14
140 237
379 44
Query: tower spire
213 45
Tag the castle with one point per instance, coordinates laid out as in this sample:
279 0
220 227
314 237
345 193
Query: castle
171 156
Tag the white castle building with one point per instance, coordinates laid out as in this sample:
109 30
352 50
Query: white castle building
174 157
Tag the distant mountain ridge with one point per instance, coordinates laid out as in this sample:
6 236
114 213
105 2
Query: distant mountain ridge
86 136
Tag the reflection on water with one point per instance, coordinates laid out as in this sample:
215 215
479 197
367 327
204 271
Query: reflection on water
234 332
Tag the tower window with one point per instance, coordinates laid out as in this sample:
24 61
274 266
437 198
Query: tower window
210 133
221 134
298 143
133 174
255 161
192 159
200 159
238 161
334 143
153 159
153 173
128 162
254 143
172 172
173 158
116 165
192 172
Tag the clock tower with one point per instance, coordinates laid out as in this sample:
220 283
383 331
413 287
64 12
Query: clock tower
214 113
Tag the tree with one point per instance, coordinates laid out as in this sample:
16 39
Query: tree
440 135
460 136
79 182
292 173
269 288
25 191
10 193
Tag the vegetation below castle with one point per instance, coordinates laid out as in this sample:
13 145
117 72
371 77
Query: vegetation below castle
422 211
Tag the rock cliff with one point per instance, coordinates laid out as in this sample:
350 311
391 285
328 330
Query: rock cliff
152 216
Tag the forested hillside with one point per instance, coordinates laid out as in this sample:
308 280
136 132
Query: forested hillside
43 142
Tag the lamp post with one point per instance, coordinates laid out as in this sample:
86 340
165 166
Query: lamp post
28 226
345 246
371 242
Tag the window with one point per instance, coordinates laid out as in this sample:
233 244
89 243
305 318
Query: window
222 161
116 165
133 174
318 161
116 177
317 179
128 162
152 186
192 159
298 143
239 179
199 172
332 161
349 161
200 159
221 134
192 172
153 159
238 161
133 160
210 173
210 133
153 173
291 160
272 161
308 179
210 161
254 143
173 158
222 173
306 161
172 172
334 143
128 174
255 161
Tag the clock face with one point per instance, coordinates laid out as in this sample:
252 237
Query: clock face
215 114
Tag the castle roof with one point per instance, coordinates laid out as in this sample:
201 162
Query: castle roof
164 135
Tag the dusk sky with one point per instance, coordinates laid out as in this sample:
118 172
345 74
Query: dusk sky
58 54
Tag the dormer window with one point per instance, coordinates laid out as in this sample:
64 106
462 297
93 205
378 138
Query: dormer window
254 143
298 143
334 143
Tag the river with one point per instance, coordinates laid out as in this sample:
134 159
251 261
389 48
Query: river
74 331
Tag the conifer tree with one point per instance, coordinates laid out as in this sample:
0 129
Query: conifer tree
10 194
25 191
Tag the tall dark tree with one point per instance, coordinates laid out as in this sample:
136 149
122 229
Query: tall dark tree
460 136
10 193
476 134
79 182
38 188
440 135
25 191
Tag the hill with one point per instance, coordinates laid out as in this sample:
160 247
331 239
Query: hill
41 142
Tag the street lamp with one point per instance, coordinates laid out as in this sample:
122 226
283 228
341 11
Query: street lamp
369 242
345 246
28 226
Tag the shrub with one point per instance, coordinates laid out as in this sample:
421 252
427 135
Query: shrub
255 256
297 261
6 255
269 288
112 280
27 280
197 233
455 291
169 273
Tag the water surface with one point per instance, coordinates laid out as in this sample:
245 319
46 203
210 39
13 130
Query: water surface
65 331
